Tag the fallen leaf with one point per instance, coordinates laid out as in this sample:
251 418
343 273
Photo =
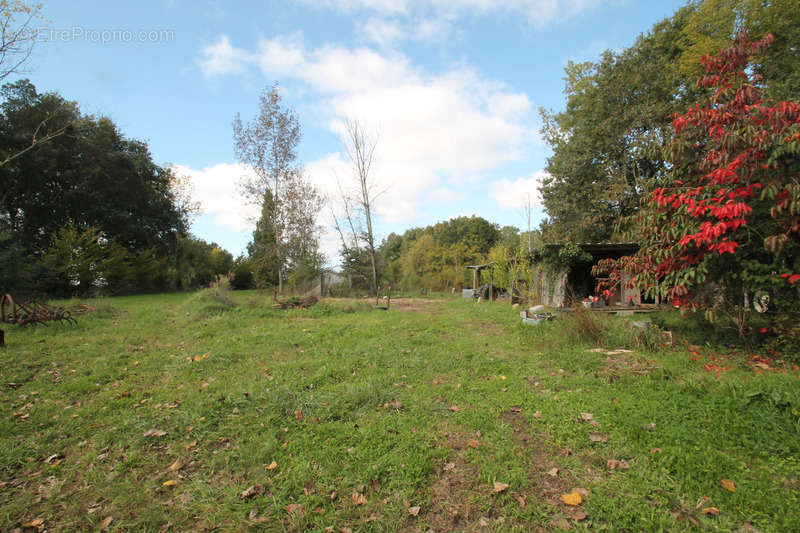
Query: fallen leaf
655 451
623 465
472 443
251 492
53 458
298 415
729 485
319 510
371 518
587 416
296 508
537 414
358 498
523 500
253 515
577 514
154 433
584 493
272 466
448 466
170 483
106 522
711 510
500 487
651 425
191 445
454 408
36 523
515 409
414 511
573 498
598 437
612 464
397 405
177 465
553 472
376 487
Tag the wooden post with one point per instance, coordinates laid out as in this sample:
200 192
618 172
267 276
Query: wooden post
388 297
475 279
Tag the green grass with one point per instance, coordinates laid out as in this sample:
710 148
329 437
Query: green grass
388 399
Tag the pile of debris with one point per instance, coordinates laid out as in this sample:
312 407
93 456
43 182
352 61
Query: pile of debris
295 302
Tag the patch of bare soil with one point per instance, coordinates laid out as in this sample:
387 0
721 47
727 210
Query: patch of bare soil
457 493
415 304
618 363
547 481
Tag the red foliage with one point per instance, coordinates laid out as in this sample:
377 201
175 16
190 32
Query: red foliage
723 151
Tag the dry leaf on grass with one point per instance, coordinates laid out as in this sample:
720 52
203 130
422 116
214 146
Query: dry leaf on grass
154 433
251 492
36 523
553 472
612 464
515 409
598 437
573 498
174 467
711 510
293 508
729 485
537 414
272 466
298 415
587 416
106 522
170 483
414 511
655 451
584 493
577 514
500 487
472 443
358 498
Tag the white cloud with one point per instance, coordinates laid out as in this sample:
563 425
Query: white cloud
539 13
514 194
434 130
222 58
216 188
383 32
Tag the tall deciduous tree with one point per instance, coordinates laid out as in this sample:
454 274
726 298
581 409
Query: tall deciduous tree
92 176
289 202
725 224
359 204
608 144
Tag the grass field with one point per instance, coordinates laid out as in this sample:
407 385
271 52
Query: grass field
184 413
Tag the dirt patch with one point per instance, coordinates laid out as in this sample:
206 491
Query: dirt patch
456 494
618 363
415 304
547 480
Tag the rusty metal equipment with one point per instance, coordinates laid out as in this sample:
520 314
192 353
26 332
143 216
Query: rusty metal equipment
31 312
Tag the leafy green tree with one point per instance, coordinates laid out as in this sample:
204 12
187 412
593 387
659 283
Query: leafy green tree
608 143
91 176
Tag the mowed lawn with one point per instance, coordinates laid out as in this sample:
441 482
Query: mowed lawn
180 413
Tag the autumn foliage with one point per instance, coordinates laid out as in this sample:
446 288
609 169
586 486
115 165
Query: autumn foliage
724 227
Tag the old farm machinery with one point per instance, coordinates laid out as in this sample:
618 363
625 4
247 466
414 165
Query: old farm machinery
30 312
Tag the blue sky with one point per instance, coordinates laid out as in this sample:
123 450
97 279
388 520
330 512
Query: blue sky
451 89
